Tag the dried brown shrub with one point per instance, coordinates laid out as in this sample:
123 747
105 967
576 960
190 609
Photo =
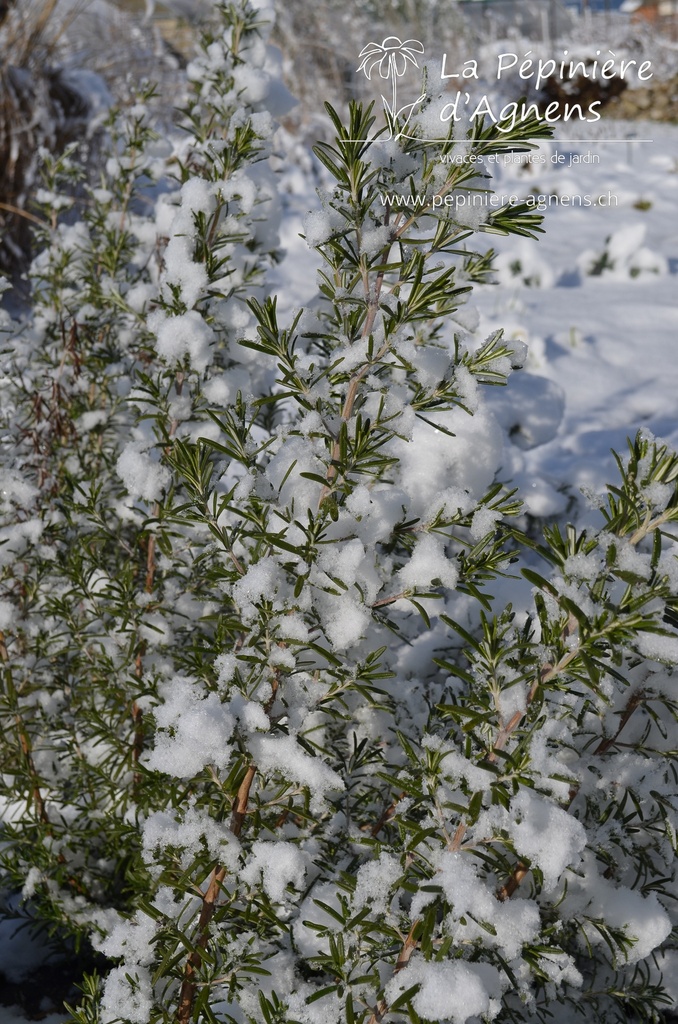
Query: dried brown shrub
38 107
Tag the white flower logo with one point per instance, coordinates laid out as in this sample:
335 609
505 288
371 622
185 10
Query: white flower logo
391 57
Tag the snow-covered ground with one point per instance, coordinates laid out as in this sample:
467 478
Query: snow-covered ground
594 298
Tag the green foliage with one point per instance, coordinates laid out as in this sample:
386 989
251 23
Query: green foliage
271 745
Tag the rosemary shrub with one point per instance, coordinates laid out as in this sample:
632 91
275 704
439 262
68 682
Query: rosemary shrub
270 746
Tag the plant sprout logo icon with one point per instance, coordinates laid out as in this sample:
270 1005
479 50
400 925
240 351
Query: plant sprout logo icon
391 58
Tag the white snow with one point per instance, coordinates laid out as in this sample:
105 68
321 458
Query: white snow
428 563
185 335
345 619
283 754
551 838
601 360
658 647
374 881
127 989
317 227
592 303
276 865
454 992
142 476
7 614
474 903
642 918
195 730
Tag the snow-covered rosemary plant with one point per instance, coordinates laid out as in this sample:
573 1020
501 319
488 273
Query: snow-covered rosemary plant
269 746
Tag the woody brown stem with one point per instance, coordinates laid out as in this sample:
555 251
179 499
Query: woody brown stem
189 985
521 869
511 884
546 673
239 809
352 392
24 739
385 817
149 584
17 210
634 701
138 741
137 713
389 600
410 944
150 563
408 948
